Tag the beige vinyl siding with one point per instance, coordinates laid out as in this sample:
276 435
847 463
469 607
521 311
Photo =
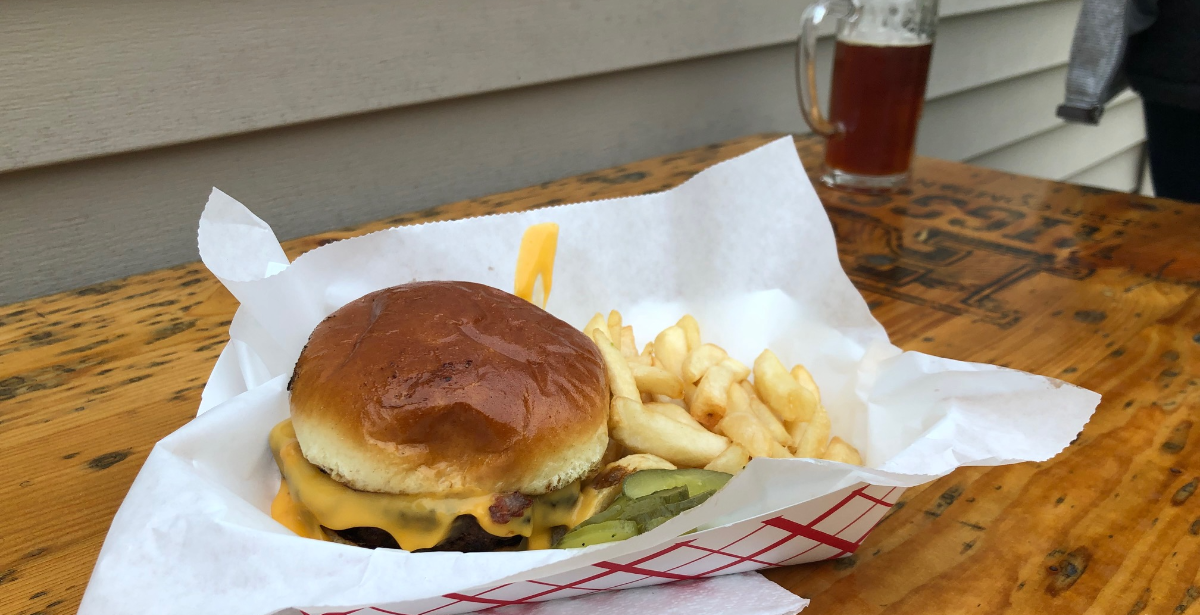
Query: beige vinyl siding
59 222
1117 172
981 48
85 79
983 119
121 115
123 75
1061 152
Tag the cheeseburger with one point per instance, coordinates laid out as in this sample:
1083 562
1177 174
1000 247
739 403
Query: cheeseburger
446 416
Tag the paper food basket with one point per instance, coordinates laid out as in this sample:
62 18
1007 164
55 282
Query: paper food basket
745 246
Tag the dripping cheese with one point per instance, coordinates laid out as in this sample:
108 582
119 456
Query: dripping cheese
308 498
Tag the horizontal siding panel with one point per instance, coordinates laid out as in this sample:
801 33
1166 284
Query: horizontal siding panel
68 225
100 77
318 175
970 123
1118 172
952 8
80 80
983 48
1064 151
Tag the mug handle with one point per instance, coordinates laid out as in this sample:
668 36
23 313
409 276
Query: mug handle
806 61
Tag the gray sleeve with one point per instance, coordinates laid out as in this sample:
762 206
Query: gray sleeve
1094 74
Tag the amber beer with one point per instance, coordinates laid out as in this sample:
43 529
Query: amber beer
880 66
875 101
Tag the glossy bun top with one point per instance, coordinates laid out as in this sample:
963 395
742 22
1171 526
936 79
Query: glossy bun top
450 388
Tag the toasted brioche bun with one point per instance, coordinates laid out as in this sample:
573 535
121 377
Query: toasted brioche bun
450 388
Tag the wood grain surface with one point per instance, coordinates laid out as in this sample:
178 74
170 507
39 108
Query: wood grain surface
1094 287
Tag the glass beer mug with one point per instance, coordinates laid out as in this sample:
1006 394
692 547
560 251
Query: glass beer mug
880 66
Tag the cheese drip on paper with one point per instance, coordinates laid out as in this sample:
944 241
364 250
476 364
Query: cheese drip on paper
309 498
535 263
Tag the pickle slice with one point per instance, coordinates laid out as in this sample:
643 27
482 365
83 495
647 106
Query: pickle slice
653 523
597 533
697 482
629 517
689 503
627 508
608 514
650 520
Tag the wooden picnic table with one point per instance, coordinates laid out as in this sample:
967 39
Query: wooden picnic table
1098 288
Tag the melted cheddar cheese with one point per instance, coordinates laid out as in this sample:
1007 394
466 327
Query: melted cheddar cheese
309 498
293 515
535 263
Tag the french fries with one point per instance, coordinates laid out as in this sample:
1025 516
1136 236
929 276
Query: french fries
628 345
712 396
647 355
779 451
641 461
746 433
614 451
684 403
816 435
751 392
614 328
731 461
774 427
700 360
643 431
620 377
839 450
796 431
670 349
691 331
744 429
597 322
805 380
739 369
656 381
679 413
782 394
738 399
689 394
678 403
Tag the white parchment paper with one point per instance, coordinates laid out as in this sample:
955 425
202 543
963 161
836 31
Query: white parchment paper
745 246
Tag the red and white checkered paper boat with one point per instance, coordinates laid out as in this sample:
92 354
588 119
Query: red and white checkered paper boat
827 527
744 246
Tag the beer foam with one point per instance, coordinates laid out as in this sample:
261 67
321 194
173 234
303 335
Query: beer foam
890 23
878 37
